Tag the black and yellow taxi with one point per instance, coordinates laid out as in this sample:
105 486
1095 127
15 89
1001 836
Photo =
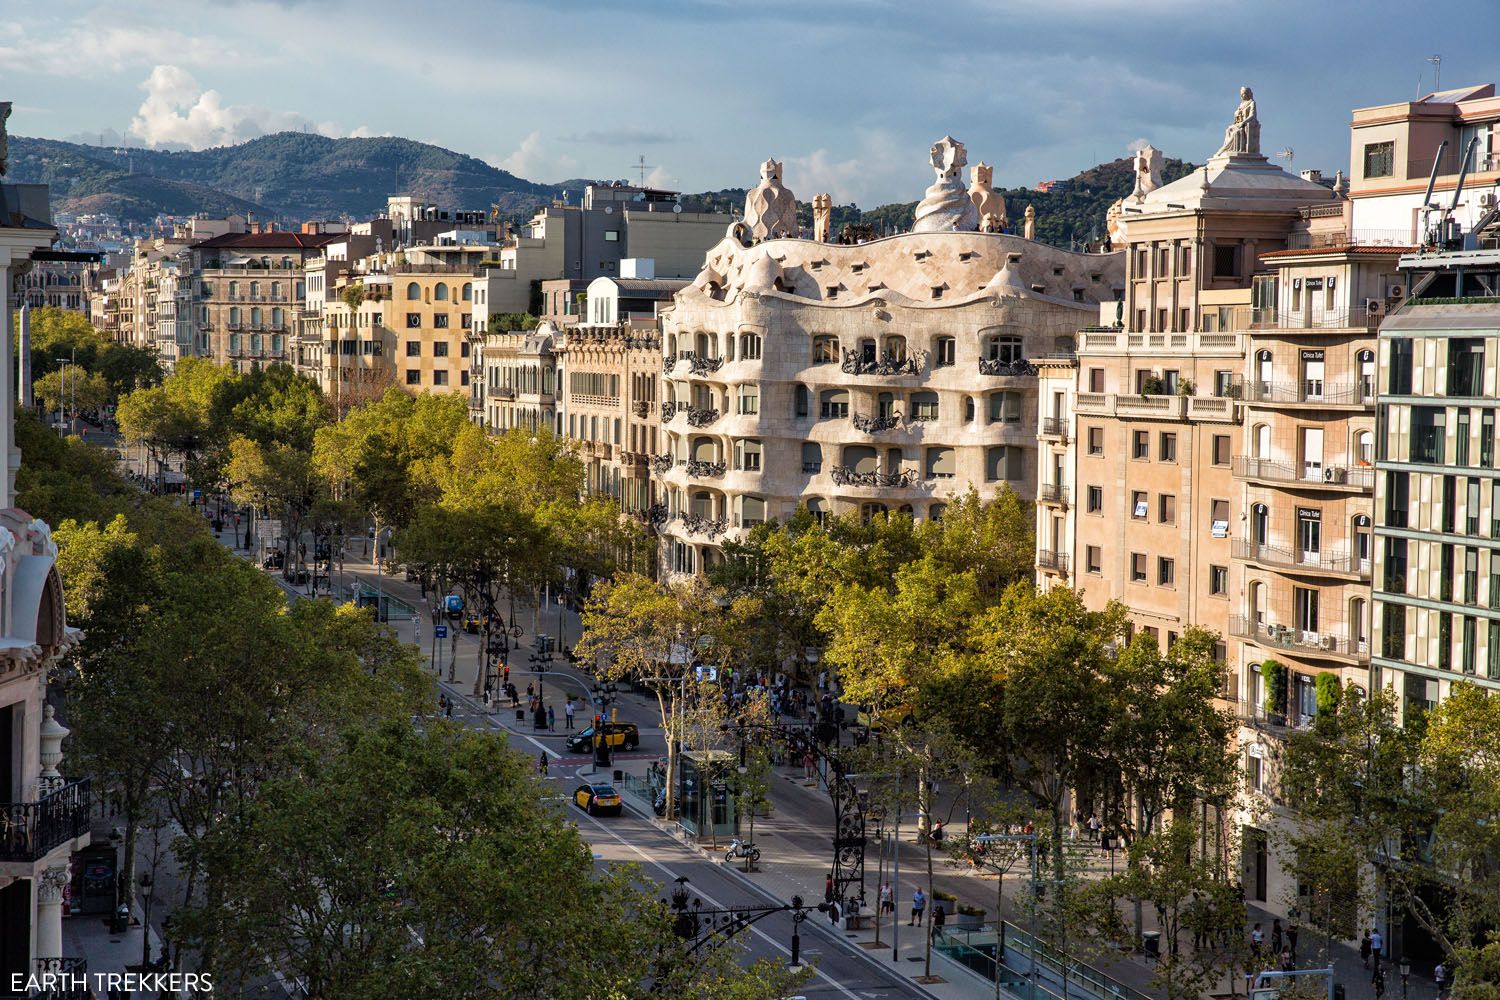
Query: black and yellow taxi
617 736
597 799
474 622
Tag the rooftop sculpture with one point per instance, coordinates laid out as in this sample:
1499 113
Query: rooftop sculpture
1148 162
770 208
946 206
989 205
1243 134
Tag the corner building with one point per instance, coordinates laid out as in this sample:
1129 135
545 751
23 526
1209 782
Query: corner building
888 376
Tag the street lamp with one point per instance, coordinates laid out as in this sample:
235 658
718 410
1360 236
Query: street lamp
379 592
62 394
146 884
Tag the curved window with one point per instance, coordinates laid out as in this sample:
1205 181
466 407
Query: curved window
706 346
1004 349
940 464
705 450
924 405
868 511
440 293
752 511
861 458
468 292
935 512
834 404
818 508
749 400
812 458
895 348
1004 463
1005 407
1260 438
750 346
800 397
1260 524
945 352
747 456
968 409
825 349
413 292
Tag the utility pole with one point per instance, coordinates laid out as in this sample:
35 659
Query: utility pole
642 166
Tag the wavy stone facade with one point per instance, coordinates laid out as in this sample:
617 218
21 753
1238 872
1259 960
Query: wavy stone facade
892 375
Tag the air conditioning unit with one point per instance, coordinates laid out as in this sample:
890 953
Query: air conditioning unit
1487 199
1326 642
1335 474
1396 293
1374 307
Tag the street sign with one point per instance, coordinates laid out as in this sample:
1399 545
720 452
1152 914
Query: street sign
197 494
440 631
702 673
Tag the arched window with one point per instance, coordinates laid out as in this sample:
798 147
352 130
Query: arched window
1260 524
935 512
705 449
1364 449
1367 374
800 397
895 348
440 293
940 464
968 409
1256 604
825 349
413 292
1260 440
861 458
818 508
254 290
750 347
468 292
1264 374
812 458
834 404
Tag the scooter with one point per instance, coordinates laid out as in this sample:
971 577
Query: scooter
737 849
659 802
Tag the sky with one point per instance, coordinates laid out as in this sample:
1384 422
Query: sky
849 94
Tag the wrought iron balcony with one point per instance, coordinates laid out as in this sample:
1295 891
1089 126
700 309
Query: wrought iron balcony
858 363
699 417
1056 427
1048 559
661 463
1019 368
1053 493
667 364
1320 643
699 470
1298 561
29 830
874 425
700 365
641 408
668 410
843 475
656 514
698 524
71 970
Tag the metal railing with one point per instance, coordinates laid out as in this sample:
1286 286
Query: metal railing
1272 470
72 969
1348 318
1020 368
699 417
844 475
1277 555
1055 427
858 363
1352 237
698 469
874 425
1048 559
1337 393
29 830
1053 493
1288 637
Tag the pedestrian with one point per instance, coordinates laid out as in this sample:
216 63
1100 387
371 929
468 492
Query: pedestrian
530 690
939 917
489 695
1377 945
551 720
541 763
1257 939
918 904
834 912
1440 979
1287 965
887 899
1364 949
937 834
1276 936
568 711
449 710
1196 918
1094 827
1291 938
828 888
807 765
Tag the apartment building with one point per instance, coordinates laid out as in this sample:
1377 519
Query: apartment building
250 290
520 378
889 376
43 817
1450 140
608 375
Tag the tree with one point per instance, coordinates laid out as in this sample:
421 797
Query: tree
77 391
279 477
66 479
753 786
512 322
126 368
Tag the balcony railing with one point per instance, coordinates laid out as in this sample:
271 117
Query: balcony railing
71 970
1323 641
660 464
1271 470
29 830
641 408
1056 427
700 417
699 524
843 475
1348 318
703 470
1337 394
858 363
875 425
1312 562
701 365
668 410
1352 237
1048 559
1019 368
1053 493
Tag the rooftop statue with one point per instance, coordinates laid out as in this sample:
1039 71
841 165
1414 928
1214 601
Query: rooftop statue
946 206
822 216
986 202
1030 231
1243 134
770 209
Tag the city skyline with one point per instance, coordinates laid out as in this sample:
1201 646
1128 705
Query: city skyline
815 92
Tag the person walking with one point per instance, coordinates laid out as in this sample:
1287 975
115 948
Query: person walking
551 720
828 888
887 899
1257 940
1364 949
807 766
541 763
1276 936
568 710
918 904
939 917
1440 979
1291 938
1377 945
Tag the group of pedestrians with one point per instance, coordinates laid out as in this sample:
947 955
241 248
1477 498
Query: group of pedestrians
1283 945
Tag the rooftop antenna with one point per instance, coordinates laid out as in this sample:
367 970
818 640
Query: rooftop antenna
1437 73
1287 154
643 166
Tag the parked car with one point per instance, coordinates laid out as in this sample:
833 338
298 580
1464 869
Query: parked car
596 799
617 735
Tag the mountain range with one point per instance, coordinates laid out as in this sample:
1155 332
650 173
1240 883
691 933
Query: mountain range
293 176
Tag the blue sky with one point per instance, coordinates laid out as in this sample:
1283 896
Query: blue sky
849 93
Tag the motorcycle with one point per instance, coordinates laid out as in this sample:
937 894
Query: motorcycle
737 850
659 802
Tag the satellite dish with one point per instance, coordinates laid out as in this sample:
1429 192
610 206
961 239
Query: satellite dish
676 209
609 209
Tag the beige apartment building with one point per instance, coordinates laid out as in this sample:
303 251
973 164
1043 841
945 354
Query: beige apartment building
251 291
609 376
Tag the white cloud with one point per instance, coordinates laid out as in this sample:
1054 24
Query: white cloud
94 48
881 165
533 162
659 178
1136 145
